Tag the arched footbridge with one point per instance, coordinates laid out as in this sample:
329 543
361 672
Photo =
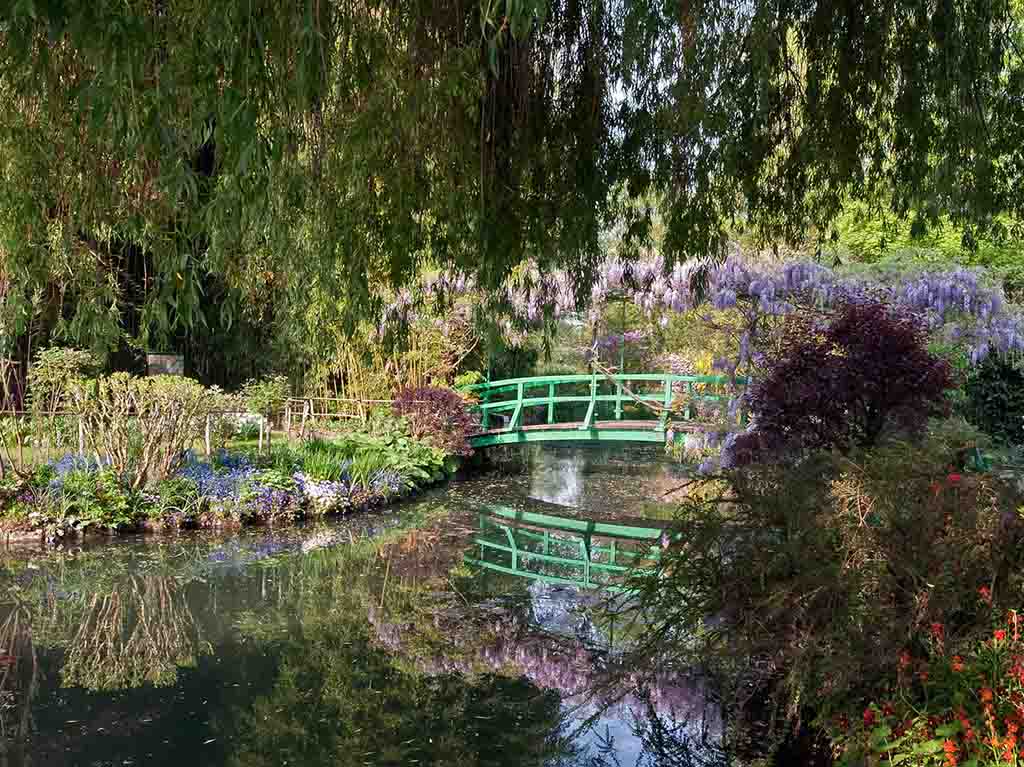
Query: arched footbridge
634 407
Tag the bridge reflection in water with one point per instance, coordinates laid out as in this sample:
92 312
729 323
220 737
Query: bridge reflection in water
570 551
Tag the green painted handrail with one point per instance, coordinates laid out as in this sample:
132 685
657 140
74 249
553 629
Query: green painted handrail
524 396
591 566
572 524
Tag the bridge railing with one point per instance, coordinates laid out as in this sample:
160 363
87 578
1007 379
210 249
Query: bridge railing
515 396
568 551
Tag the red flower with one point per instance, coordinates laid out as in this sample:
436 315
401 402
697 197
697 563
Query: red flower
999 635
904 660
937 631
869 717
953 479
888 710
986 594
923 675
958 663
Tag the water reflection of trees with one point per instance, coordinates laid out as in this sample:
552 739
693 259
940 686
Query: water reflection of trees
120 633
339 698
19 672
141 632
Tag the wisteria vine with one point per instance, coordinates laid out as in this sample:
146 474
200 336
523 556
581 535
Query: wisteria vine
959 305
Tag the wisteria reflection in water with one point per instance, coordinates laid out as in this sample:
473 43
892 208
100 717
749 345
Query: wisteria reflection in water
550 641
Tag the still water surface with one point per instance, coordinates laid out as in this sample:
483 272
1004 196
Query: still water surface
365 642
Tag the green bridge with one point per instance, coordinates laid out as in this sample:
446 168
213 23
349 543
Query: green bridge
570 551
632 407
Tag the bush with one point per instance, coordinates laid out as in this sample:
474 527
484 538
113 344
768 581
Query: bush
142 426
85 498
439 416
818 575
994 395
266 396
867 373
53 374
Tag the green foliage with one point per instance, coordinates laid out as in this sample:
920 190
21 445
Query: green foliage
142 426
270 183
994 398
92 499
324 461
465 380
831 568
276 479
52 375
266 396
176 499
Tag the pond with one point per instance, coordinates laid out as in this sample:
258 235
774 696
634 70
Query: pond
366 642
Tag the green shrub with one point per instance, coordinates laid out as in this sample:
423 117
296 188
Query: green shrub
994 399
818 575
53 374
324 461
248 431
94 499
266 396
176 496
142 426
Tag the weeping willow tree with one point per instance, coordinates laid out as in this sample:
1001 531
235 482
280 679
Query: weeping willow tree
175 172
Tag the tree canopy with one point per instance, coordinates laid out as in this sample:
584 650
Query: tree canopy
169 167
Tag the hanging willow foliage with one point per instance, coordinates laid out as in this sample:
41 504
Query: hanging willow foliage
332 147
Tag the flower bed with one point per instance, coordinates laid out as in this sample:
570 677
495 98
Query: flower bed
955 706
77 494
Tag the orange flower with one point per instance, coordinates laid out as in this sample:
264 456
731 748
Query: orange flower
950 749
986 694
958 663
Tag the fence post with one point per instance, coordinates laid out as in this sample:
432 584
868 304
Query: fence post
551 405
260 448
305 413
81 437
208 441
288 417
618 399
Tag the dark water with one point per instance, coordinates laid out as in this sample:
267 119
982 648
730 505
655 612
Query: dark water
359 643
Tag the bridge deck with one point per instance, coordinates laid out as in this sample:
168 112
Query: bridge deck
654 426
